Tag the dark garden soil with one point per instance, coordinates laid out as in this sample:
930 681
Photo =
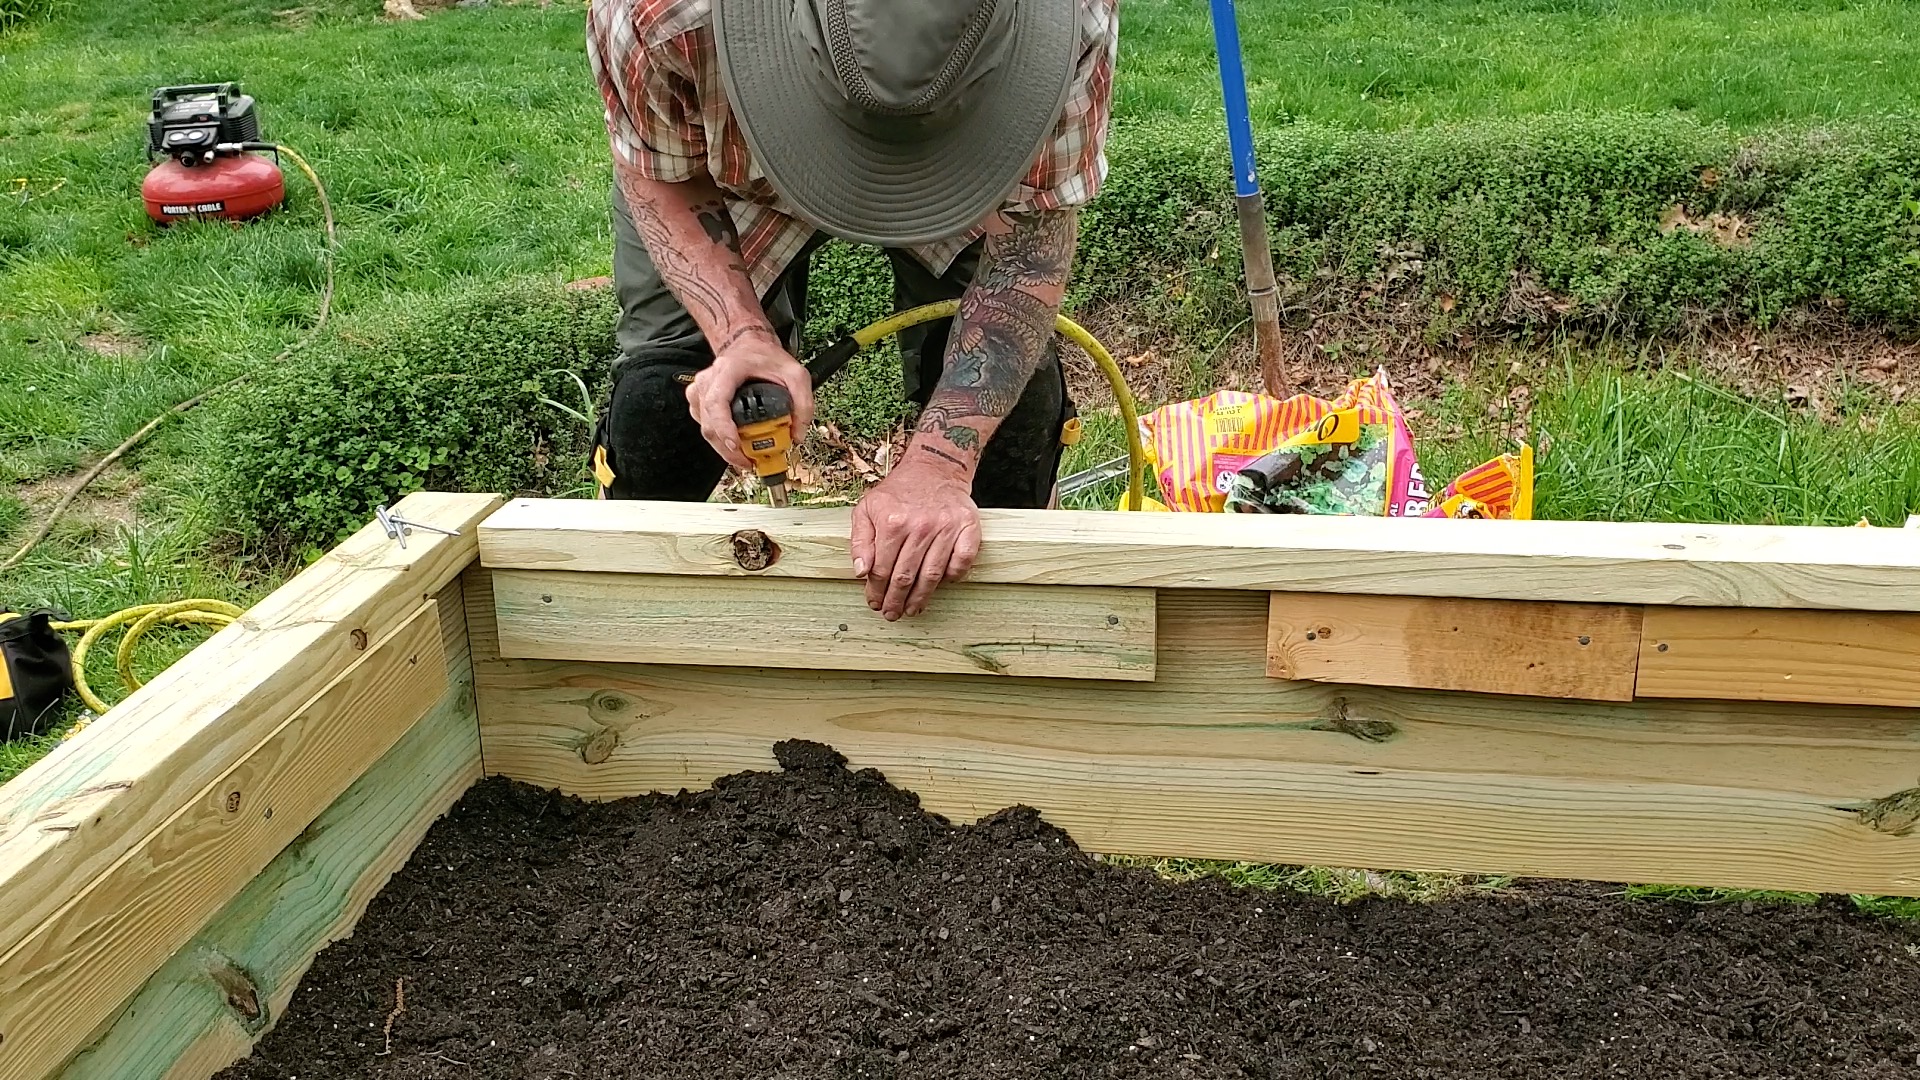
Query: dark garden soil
816 923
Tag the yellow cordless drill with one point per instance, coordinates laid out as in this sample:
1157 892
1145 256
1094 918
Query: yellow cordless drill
763 412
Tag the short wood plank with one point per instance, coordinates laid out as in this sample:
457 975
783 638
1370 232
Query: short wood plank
76 968
1539 649
188 1022
1587 562
1214 759
1738 655
75 813
1017 630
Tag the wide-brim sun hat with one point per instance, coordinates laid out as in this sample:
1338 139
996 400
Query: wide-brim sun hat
896 122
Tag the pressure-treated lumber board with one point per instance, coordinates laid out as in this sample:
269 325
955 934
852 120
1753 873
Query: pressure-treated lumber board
204 1008
76 968
1598 562
1214 759
1536 648
1017 630
1744 655
75 813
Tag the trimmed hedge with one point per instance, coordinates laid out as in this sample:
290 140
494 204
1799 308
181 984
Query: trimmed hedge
1524 223
1634 224
443 395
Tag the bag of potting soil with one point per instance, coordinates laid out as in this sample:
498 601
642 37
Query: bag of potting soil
1499 489
1247 453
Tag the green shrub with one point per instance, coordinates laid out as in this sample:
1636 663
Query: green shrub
444 395
1520 224
849 287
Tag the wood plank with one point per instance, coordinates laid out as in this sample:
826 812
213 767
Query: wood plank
1213 759
1016 630
180 1026
1739 655
75 813
1588 562
76 968
1539 649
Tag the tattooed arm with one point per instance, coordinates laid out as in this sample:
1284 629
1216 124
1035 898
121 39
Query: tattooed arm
692 240
919 526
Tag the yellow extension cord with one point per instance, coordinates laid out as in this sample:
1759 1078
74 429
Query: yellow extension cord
142 619
1129 415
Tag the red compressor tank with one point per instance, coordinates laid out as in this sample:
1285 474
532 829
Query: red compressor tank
234 186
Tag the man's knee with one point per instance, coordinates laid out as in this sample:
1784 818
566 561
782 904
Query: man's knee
647 445
1022 460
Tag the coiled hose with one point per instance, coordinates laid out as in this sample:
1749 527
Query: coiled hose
138 621
1073 331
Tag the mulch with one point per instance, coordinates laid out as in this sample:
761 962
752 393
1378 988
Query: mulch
816 923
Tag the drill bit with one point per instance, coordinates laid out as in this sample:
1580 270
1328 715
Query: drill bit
777 492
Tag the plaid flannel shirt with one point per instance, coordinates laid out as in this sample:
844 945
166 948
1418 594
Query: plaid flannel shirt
667 115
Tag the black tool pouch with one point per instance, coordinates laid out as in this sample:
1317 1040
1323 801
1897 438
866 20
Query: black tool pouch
36 671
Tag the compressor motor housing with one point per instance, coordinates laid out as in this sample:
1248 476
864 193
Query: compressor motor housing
206 135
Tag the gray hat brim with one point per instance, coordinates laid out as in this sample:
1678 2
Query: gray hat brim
894 194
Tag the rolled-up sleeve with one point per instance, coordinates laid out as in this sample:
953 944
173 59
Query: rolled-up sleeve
1073 162
652 107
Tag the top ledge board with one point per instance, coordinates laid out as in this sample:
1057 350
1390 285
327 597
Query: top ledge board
1842 568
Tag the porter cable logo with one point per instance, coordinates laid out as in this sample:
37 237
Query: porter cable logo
177 209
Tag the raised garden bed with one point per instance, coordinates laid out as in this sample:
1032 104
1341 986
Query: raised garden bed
1683 704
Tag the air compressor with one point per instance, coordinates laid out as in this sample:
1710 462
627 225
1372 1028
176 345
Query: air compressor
212 166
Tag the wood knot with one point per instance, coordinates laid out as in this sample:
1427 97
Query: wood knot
1374 731
607 703
754 550
1894 814
599 746
233 802
359 640
238 988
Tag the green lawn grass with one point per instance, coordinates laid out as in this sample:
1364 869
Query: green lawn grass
469 147
1396 63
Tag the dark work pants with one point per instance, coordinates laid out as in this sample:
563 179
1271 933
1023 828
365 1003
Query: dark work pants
654 448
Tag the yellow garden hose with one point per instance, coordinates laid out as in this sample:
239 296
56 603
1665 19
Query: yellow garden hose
1129 415
138 620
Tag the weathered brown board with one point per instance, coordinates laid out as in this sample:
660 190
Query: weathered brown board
1535 648
1740 654
1016 630
1214 759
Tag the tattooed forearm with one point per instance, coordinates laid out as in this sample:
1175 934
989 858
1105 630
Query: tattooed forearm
942 454
1002 331
695 246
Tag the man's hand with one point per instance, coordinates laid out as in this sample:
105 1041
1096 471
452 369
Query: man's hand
912 531
919 526
690 234
755 353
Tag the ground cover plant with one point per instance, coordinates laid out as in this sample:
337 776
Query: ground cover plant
817 922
